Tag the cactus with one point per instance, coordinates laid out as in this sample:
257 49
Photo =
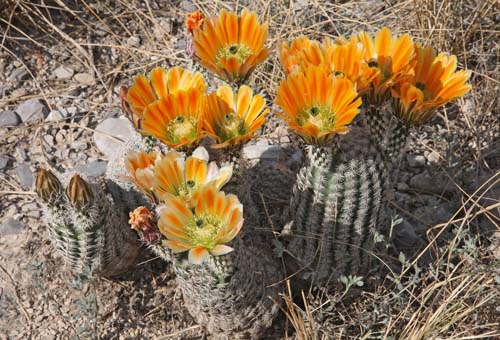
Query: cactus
231 294
86 226
335 209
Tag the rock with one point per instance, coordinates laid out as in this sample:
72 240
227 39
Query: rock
415 161
296 160
9 118
94 169
54 116
489 193
49 139
433 157
84 78
109 128
4 161
402 186
11 227
188 6
31 110
64 72
437 184
17 93
269 152
133 41
19 74
21 153
25 176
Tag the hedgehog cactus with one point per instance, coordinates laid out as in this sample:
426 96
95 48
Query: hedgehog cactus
336 209
85 226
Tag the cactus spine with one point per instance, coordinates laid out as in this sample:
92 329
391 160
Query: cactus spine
335 209
231 294
85 226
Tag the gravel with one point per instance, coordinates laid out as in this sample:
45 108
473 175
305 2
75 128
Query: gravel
25 176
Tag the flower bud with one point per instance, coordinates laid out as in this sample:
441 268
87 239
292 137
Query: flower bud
48 186
79 192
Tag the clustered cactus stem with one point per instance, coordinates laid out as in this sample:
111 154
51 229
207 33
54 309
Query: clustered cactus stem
85 226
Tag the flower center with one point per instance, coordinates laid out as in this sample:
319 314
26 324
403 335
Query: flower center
420 86
203 230
231 126
321 116
372 63
238 51
182 129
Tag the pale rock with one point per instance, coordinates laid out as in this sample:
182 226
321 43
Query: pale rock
31 110
64 72
9 118
109 129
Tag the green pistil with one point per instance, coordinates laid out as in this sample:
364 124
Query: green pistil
420 86
182 127
320 116
231 126
239 51
372 63
203 231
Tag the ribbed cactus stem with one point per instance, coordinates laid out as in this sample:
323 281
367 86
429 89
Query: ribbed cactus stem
231 294
377 122
397 141
85 227
335 209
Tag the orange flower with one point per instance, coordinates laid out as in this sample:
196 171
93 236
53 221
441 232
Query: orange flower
194 20
317 105
390 57
231 46
140 166
295 57
175 177
216 218
433 84
161 83
233 119
175 119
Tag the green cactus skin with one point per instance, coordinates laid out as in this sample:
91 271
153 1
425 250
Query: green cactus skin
231 295
95 238
397 141
335 209
377 121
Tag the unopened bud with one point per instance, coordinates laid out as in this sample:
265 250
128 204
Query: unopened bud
48 186
79 192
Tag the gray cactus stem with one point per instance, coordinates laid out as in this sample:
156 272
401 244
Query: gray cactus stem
397 141
335 210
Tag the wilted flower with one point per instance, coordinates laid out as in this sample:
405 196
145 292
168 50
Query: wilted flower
317 105
176 177
434 83
231 46
232 119
143 221
215 219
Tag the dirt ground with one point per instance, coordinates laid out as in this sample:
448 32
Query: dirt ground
63 62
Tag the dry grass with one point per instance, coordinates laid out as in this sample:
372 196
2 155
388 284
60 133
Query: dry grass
458 295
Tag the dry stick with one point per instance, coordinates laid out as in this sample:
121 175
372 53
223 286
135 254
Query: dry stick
30 193
16 292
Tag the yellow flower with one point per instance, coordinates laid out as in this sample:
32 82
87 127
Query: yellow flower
160 84
301 53
232 119
175 119
317 105
390 57
433 84
231 46
140 166
215 219
175 177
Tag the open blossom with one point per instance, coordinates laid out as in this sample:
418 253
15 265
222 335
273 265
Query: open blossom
143 221
176 119
317 105
140 166
433 83
159 84
234 118
215 219
231 46
174 176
